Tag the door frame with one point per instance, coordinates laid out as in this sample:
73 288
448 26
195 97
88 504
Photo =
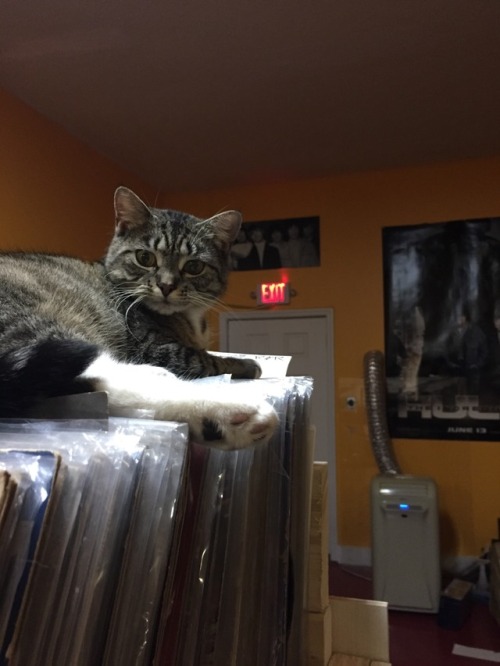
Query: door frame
328 315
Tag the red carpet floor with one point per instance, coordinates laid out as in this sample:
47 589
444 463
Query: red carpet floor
415 638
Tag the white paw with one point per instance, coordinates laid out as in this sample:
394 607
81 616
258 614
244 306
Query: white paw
236 425
228 416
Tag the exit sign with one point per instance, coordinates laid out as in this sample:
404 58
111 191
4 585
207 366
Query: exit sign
273 293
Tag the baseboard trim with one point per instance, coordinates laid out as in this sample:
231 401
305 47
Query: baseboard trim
353 555
362 557
457 565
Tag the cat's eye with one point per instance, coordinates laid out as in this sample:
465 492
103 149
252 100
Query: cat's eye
193 267
145 258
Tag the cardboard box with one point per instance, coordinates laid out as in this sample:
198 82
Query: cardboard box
341 631
360 627
317 589
319 626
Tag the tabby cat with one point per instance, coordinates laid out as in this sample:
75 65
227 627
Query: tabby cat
132 324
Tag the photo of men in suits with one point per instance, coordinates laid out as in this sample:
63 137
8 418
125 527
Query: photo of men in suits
277 244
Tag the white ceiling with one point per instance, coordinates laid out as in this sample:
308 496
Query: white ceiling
192 94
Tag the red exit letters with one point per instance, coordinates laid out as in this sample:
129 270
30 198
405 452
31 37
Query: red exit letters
270 293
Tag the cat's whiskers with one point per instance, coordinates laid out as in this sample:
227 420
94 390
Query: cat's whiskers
120 299
122 295
123 298
134 302
211 302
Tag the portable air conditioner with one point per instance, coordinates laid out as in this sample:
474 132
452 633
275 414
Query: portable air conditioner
405 542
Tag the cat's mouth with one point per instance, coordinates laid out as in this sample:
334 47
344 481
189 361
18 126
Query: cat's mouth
166 304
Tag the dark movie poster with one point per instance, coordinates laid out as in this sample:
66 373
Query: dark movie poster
442 329
291 243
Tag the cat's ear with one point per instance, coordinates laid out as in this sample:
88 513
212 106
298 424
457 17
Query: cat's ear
130 211
226 226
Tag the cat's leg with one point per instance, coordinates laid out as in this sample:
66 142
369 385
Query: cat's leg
228 415
239 368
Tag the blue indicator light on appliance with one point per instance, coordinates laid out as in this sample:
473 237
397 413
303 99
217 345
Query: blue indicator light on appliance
404 506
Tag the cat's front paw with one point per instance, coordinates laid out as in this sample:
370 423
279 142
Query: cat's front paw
244 368
238 425
230 416
239 368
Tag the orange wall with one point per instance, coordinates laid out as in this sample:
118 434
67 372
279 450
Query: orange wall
56 194
353 210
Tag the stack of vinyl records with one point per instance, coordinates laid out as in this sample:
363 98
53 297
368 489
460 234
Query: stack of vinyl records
123 543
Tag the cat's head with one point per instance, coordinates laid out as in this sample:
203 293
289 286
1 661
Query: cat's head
167 260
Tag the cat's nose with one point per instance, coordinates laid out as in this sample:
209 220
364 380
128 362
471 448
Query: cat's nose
166 289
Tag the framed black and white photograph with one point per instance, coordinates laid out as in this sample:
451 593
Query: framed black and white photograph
291 243
442 329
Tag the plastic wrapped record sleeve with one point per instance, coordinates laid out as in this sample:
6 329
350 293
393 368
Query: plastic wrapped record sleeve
301 488
150 549
116 580
70 597
31 479
65 563
236 588
289 465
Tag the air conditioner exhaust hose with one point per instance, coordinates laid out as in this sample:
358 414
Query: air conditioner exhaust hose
376 408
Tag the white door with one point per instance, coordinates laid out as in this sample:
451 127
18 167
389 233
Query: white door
306 336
